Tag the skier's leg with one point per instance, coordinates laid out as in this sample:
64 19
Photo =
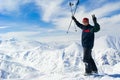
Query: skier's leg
94 67
92 63
86 60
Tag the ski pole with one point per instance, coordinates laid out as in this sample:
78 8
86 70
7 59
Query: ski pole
73 13
70 4
69 26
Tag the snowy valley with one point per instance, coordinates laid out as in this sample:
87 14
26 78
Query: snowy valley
32 60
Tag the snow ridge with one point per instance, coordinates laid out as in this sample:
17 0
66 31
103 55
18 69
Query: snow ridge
25 60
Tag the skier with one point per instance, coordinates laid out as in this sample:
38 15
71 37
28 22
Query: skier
88 43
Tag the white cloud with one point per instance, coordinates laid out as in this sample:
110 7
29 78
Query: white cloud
7 6
18 35
35 36
4 27
50 8
110 20
65 37
111 24
106 9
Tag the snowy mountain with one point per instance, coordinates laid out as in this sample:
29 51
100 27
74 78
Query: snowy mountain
32 60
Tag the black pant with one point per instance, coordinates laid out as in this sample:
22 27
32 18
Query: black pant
89 62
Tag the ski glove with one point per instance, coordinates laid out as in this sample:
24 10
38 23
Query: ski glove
94 19
73 18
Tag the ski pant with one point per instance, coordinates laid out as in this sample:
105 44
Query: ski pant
89 62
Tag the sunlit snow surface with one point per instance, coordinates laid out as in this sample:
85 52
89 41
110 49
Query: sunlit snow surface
32 60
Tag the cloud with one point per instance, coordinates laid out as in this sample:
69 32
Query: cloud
7 6
110 20
4 27
111 23
106 9
19 35
63 38
36 36
50 8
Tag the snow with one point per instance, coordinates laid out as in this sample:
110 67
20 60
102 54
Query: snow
33 60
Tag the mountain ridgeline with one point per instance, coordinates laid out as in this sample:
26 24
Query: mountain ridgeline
19 59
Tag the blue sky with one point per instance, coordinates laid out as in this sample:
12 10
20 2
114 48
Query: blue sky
48 20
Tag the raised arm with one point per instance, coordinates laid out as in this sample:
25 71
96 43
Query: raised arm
96 27
77 23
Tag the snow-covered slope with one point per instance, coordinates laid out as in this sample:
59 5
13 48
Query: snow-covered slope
32 60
